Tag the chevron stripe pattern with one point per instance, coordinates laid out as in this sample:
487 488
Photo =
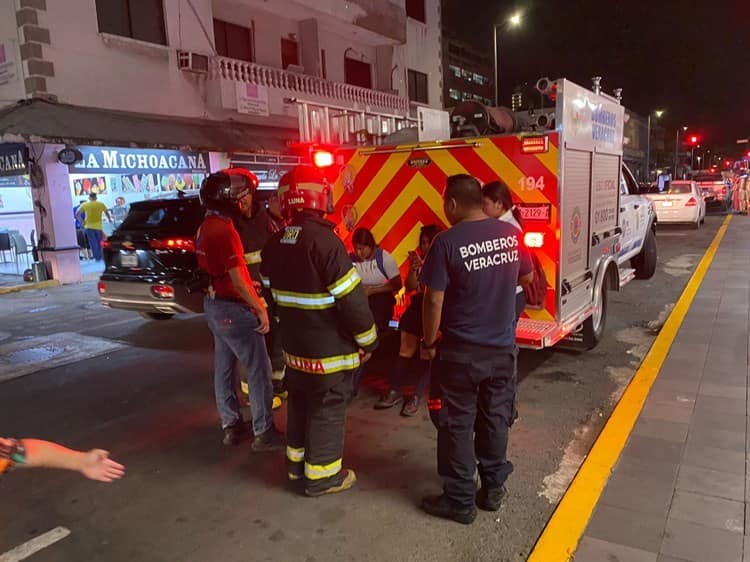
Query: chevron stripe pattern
394 191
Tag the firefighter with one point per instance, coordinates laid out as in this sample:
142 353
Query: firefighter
256 226
235 314
470 275
328 330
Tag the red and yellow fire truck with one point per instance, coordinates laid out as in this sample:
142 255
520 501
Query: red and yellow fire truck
583 217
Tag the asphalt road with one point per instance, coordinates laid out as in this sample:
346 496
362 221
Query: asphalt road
188 498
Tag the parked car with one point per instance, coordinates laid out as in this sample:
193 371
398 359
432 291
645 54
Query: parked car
149 258
681 203
713 188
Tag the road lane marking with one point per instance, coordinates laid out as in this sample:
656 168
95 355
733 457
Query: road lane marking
23 551
568 522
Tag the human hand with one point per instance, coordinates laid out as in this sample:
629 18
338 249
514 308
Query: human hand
364 356
414 261
96 465
265 325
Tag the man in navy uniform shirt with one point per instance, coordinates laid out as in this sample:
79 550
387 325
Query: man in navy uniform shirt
470 275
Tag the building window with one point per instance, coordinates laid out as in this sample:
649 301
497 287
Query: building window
479 79
323 69
357 73
417 86
455 70
415 10
454 94
289 53
465 96
233 41
140 19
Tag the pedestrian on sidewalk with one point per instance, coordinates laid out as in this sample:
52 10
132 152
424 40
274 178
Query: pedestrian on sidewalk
470 275
328 330
410 327
235 313
90 214
35 453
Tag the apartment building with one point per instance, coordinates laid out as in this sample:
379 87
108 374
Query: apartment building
152 95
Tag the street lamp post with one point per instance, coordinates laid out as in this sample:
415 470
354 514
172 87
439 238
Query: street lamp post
512 21
677 148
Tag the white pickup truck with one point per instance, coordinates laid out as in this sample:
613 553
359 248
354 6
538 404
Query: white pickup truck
638 224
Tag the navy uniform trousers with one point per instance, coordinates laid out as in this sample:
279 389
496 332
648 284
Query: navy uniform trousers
316 412
472 404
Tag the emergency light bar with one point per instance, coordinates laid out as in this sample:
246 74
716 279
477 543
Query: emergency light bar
322 159
535 145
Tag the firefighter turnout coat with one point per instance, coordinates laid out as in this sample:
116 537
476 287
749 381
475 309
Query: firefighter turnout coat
319 297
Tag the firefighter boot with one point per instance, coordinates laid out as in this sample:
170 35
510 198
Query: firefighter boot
346 481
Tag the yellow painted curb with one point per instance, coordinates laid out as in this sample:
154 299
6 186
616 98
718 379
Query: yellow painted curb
29 286
560 537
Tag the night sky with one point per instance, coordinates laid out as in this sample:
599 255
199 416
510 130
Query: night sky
690 58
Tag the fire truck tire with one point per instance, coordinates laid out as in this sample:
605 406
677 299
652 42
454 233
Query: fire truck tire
156 315
645 262
593 326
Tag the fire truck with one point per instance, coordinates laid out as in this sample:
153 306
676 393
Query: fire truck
584 219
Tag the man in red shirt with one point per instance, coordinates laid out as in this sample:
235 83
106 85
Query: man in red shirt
235 313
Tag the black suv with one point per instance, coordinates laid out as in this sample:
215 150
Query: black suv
150 256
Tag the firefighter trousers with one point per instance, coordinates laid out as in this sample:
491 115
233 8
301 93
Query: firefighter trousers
471 403
316 412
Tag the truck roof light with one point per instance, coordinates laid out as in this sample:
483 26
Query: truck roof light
322 159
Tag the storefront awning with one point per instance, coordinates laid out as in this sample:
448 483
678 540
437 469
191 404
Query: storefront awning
39 121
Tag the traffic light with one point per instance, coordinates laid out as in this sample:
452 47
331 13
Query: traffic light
693 140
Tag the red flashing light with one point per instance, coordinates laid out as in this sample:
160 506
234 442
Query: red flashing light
691 202
533 239
187 244
322 159
162 291
101 287
535 145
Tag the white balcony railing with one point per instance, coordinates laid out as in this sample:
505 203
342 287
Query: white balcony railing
305 85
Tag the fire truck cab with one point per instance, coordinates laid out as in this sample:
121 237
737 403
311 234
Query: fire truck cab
584 220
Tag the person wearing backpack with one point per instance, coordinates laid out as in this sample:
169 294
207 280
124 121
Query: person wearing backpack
381 280
498 203
380 276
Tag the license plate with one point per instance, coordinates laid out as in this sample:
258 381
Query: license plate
666 204
129 260
536 212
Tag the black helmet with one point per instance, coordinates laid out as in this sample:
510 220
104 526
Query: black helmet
221 191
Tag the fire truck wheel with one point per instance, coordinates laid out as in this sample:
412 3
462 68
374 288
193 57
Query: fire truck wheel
645 262
593 326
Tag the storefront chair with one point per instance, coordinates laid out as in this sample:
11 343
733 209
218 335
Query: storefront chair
20 248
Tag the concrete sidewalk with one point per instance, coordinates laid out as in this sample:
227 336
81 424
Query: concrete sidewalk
679 491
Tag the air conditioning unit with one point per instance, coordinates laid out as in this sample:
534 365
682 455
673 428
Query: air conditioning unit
192 62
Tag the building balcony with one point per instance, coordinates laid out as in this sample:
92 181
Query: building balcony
375 22
322 110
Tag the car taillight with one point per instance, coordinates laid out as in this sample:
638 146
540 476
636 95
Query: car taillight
162 291
106 243
691 202
101 287
533 239
173 244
